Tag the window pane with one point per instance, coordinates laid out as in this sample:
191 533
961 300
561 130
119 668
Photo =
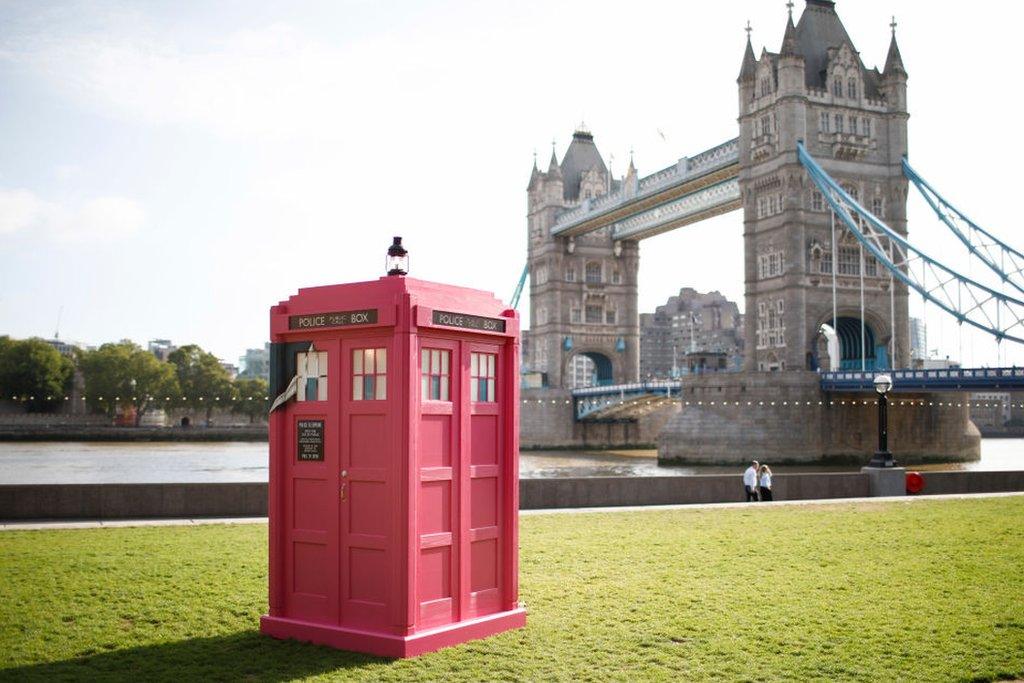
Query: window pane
444 362
435 387
473 365
321 389
490 390
444 387
357 387
357 362
368 387
312 366
382 387
473 391
425 361
435 361
424 382
490 366
382 361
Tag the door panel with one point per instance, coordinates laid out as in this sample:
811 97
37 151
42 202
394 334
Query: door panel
486 458
310 508
363 484
438 437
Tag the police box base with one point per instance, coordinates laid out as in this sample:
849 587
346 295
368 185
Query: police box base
387 645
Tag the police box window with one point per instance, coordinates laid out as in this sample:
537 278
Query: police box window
369 374
481 376
434 374
312 370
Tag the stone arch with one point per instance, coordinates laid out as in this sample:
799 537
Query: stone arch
602 368
877 336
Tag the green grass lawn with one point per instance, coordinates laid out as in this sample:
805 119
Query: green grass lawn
927 591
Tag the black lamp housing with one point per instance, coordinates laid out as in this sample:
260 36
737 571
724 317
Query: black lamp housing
397 262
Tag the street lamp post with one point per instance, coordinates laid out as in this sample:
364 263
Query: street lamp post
882 457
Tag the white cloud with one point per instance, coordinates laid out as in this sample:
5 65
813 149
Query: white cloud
272 81
100 218
19 209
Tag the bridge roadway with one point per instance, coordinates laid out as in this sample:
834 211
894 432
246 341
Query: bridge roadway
620 400
693 189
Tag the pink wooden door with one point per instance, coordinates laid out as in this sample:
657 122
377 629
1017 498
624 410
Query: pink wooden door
364 481
438 496
483 541
310 459
460 459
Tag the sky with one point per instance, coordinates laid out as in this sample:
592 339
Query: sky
171 170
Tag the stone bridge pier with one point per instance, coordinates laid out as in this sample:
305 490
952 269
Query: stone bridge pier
785 417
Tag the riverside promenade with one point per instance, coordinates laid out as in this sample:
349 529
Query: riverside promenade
202 521
30 502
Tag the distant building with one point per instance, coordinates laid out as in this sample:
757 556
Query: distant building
918 340
161 348
64 348
230 368
706 326
935 364
991 408
256 363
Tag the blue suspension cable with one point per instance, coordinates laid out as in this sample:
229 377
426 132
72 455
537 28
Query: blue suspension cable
841 202
938 203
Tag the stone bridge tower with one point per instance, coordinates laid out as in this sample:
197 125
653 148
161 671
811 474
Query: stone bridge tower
584 327
853 120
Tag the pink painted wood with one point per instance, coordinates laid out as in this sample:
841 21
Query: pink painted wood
404 538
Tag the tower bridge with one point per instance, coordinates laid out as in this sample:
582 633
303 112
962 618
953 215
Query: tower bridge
818 169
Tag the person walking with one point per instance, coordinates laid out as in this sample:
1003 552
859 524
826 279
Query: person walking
750 482
765 483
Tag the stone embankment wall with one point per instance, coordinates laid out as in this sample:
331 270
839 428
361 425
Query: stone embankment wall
546 421
105 432
785 417
136 501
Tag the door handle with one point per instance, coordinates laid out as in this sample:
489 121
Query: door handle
343 485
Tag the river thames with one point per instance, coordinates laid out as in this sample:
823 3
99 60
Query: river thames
177 462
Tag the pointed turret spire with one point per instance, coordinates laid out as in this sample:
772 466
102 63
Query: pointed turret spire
553 167
789 37
749 66
893 60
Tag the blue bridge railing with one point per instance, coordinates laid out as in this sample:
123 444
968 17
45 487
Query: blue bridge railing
945 379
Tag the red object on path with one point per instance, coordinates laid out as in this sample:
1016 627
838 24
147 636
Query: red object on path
394 471
915 482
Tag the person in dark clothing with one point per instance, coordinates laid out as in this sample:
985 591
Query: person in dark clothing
765 483
750 482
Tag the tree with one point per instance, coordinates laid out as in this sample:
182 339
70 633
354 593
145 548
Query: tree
124 373
203 380
251 398
35 372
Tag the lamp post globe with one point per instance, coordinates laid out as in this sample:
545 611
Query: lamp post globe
397 262
882 457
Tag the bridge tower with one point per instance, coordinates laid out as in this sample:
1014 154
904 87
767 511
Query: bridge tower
854 121
584 327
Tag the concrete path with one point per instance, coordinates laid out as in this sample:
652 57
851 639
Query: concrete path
115 523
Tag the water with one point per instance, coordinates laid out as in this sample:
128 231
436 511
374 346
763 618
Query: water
163 462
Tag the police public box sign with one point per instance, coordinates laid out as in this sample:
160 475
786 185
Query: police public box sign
310 437
339 319
469 322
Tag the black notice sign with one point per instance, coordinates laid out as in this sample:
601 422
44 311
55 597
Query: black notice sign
310 437
339 319
469 322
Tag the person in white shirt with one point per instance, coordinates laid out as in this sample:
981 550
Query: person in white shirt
750 482
765 483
